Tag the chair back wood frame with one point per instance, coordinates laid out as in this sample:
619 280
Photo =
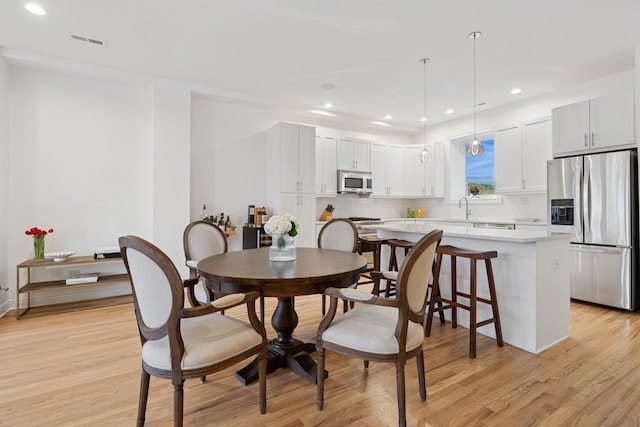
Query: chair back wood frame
343 244
411 302
217 244
135 249
342 224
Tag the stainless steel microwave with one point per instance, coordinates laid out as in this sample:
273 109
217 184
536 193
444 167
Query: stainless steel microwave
355 182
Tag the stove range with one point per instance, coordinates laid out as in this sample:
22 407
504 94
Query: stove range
362 218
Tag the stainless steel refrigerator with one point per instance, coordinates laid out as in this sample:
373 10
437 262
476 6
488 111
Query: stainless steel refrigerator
594 197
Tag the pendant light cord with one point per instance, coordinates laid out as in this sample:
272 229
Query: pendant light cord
424 98
475 102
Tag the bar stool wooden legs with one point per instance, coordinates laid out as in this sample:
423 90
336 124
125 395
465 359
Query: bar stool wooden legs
393 245
453 303
375 244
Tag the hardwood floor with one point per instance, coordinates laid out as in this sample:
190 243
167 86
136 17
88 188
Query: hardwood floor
83 368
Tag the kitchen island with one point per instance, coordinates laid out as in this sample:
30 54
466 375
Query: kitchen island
531 275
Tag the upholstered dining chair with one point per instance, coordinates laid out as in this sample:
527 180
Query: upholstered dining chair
340 234
383 329
201 239
178 342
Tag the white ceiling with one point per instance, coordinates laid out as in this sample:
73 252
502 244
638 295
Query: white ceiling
280 52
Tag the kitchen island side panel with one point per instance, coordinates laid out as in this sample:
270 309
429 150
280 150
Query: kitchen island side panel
532 285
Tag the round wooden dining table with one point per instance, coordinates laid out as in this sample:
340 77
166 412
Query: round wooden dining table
311 272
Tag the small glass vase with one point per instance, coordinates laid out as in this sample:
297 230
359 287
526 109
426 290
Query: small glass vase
282 248
38 247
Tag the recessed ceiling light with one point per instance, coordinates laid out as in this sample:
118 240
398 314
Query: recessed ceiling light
321 113
388 117
423 119
450 111
328 105
328 86
380 124
36 9
515 91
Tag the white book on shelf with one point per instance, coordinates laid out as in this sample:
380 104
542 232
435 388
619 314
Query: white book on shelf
77 279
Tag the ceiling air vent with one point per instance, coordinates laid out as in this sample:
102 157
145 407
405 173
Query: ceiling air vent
89 40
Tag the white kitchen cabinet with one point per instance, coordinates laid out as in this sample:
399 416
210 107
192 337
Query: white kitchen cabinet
326 166
424 180
594 125
536 151
354 154
303 207
508 159
290 176
291 155
521 156
387 169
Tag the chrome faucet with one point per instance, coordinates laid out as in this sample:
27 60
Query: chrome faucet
467 211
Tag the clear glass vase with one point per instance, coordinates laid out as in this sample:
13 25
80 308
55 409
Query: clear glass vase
282 248
38 247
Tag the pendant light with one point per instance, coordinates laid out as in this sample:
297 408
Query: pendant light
475 148
424 155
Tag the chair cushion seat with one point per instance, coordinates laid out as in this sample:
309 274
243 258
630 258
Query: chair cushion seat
390 275
371 328
207 340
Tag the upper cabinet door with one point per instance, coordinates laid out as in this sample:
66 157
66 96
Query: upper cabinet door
326 166
361 154
414 171
508 155
306 159
289 153
378 169
345 153
536 150
353 154
612 120
571 128
393 170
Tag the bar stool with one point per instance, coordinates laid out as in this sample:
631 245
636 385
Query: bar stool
453 303
376 245
393 245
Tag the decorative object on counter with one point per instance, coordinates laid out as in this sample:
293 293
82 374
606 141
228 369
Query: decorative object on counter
38 240
424 155
327 213
420 213
204 216
251 214
474 190
282 230
475 148
261 215
411 213
58 256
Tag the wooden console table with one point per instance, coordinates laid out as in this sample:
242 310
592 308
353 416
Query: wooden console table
51 285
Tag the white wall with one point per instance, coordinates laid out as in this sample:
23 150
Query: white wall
5 285
526 206
81 162
170 152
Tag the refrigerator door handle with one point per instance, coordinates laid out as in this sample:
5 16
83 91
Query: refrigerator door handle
597 249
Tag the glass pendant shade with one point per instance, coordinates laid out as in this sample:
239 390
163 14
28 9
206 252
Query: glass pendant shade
424 156
475 148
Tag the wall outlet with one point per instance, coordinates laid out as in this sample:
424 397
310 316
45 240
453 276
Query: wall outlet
555 263
524 200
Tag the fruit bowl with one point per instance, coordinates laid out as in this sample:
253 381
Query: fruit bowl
58 256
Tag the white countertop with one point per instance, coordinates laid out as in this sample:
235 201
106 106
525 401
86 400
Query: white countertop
516 236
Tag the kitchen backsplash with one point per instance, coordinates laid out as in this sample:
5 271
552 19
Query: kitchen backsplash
512 206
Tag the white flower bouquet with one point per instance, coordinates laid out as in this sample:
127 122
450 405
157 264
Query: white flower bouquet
281 225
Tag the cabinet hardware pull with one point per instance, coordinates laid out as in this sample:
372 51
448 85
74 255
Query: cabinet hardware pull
593 138
586 140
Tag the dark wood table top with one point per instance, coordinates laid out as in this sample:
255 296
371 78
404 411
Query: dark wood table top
313 271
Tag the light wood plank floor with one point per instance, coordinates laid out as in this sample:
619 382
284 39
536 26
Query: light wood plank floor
82 369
